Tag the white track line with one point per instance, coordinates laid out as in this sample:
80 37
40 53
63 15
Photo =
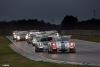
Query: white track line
58 61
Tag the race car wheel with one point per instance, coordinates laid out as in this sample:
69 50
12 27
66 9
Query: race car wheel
28 42
36 50
33 44
49 51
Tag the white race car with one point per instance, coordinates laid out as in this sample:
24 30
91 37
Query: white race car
61 44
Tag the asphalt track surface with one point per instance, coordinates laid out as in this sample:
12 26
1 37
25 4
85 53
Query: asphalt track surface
86 52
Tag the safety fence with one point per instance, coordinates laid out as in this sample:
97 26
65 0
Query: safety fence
81 32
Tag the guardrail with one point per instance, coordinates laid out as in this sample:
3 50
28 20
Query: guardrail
82 32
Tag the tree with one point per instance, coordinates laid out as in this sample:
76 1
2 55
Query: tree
69 22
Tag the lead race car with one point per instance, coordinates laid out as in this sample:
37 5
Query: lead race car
61 44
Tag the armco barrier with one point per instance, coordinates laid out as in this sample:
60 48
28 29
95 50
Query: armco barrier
82 32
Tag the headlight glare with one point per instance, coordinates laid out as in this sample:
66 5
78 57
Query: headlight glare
18 37
53 44
71 44
13 33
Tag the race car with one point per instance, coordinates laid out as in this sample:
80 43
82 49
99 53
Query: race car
35 39
42 44
21 36
53 33
35 32
30 37
61 44
15 34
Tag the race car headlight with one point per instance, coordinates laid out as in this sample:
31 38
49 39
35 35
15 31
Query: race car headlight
71 44
13 33
53 44
18 37
14 36
27 36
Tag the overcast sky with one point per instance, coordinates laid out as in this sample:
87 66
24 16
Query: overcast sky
48 9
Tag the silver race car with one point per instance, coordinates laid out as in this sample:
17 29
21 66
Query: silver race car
42 44
61 44
35 39
30 37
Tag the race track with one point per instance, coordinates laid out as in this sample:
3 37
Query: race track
86 52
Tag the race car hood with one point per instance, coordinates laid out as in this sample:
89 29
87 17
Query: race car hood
45 42
59 43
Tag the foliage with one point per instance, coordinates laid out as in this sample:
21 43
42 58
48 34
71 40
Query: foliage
72 23
6 28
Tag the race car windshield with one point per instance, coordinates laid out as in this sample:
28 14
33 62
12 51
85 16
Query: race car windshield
32 35
22 34
44 39
65 39
32 32
57 39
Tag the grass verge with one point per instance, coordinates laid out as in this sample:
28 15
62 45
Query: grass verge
8 56
87 38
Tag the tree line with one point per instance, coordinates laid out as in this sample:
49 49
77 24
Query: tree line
71 23
30 24
68 23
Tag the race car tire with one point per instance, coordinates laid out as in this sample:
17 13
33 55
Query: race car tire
49 51
33 44
28 42
36 50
